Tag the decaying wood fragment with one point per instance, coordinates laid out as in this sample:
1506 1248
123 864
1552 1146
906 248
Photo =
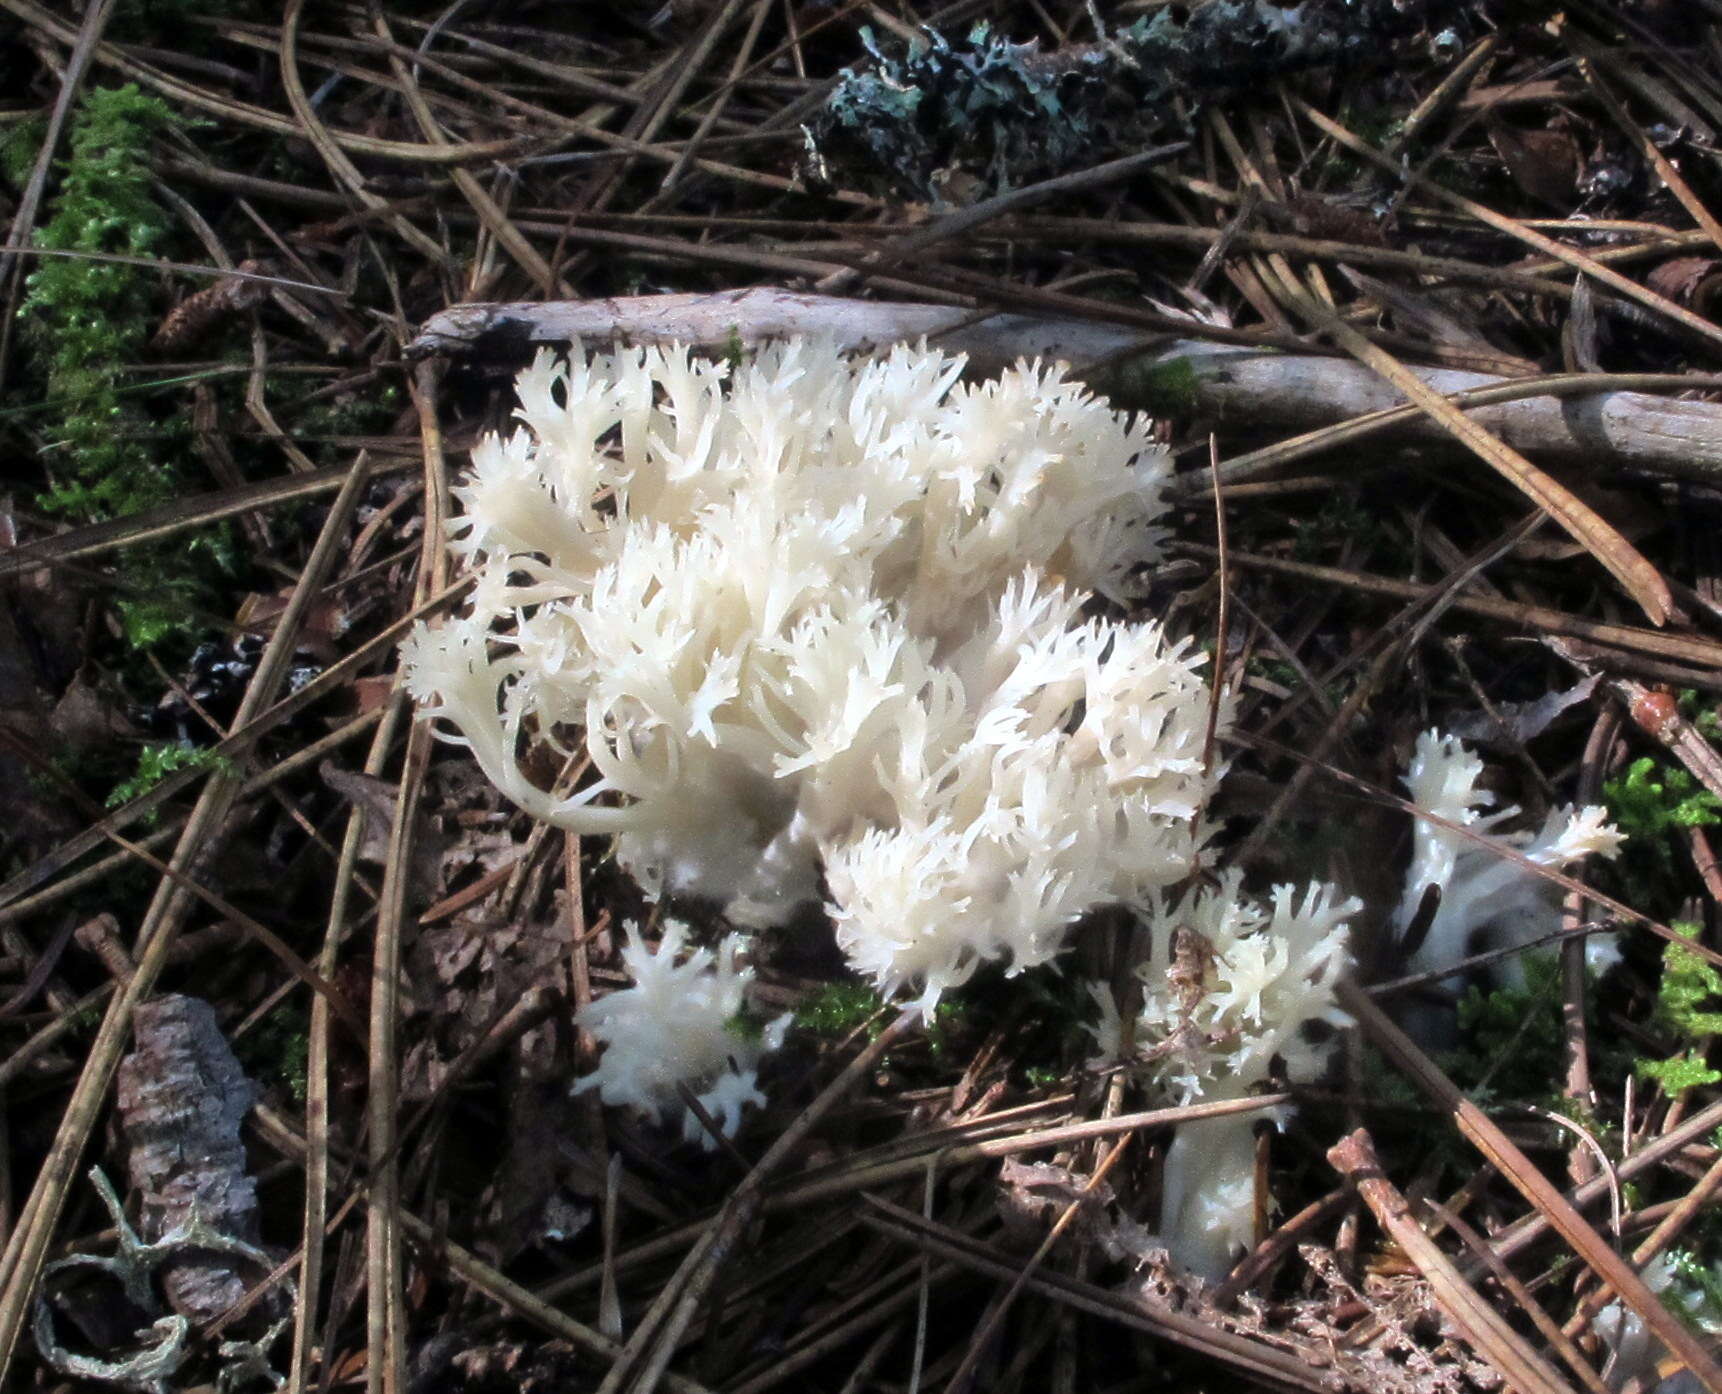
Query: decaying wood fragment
182 1098
1222 384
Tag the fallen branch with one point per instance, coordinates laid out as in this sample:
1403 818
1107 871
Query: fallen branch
1571 423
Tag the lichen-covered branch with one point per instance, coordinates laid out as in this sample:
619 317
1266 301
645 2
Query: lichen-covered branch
182 1099
953 119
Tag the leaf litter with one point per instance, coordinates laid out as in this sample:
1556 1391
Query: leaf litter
523 1242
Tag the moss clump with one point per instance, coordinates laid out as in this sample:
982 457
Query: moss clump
1165 389
1512 1038
279 1050
19 145
1341 518
1703 714
1653 803
157 761
1649 802
87 319
1689 1005
839 1008
87 322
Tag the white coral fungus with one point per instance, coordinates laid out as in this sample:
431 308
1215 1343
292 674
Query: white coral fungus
1487 900
1235 991
822 616
676 1025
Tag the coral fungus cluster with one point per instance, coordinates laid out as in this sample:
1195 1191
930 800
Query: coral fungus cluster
807 627
818 618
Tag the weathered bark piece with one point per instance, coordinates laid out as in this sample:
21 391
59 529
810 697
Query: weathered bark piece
182 1098
1251 387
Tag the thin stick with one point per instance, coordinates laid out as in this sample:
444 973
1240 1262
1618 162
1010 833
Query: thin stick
1487 1332
1699 652
959 1382
1222 624
385 1371
317 1067
660 1330
1244 1354
1512 1163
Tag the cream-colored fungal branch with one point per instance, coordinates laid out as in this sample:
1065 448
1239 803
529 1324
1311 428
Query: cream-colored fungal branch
1486 900
1238 992
680 1023
1235 992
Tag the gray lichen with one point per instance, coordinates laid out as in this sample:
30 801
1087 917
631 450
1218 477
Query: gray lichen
986 114
136 1266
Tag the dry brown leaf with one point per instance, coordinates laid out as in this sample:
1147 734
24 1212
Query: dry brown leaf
1031 1196
1546 164
1678 277
1314 216
378 797
1694 281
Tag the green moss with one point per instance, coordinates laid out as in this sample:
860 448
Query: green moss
279 1050
1651 801
734 351
321 426
83 1022
1342 518
1691 988
156 762
19 146
1654 804
87 322
839 1008
87 318
1165 389
1512 1036
1679 1073
1689 1005
744 1026
952 1019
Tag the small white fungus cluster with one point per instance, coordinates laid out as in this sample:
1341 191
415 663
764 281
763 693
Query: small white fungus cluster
1232 986
810 617
1232 990
676 1025
1487 901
